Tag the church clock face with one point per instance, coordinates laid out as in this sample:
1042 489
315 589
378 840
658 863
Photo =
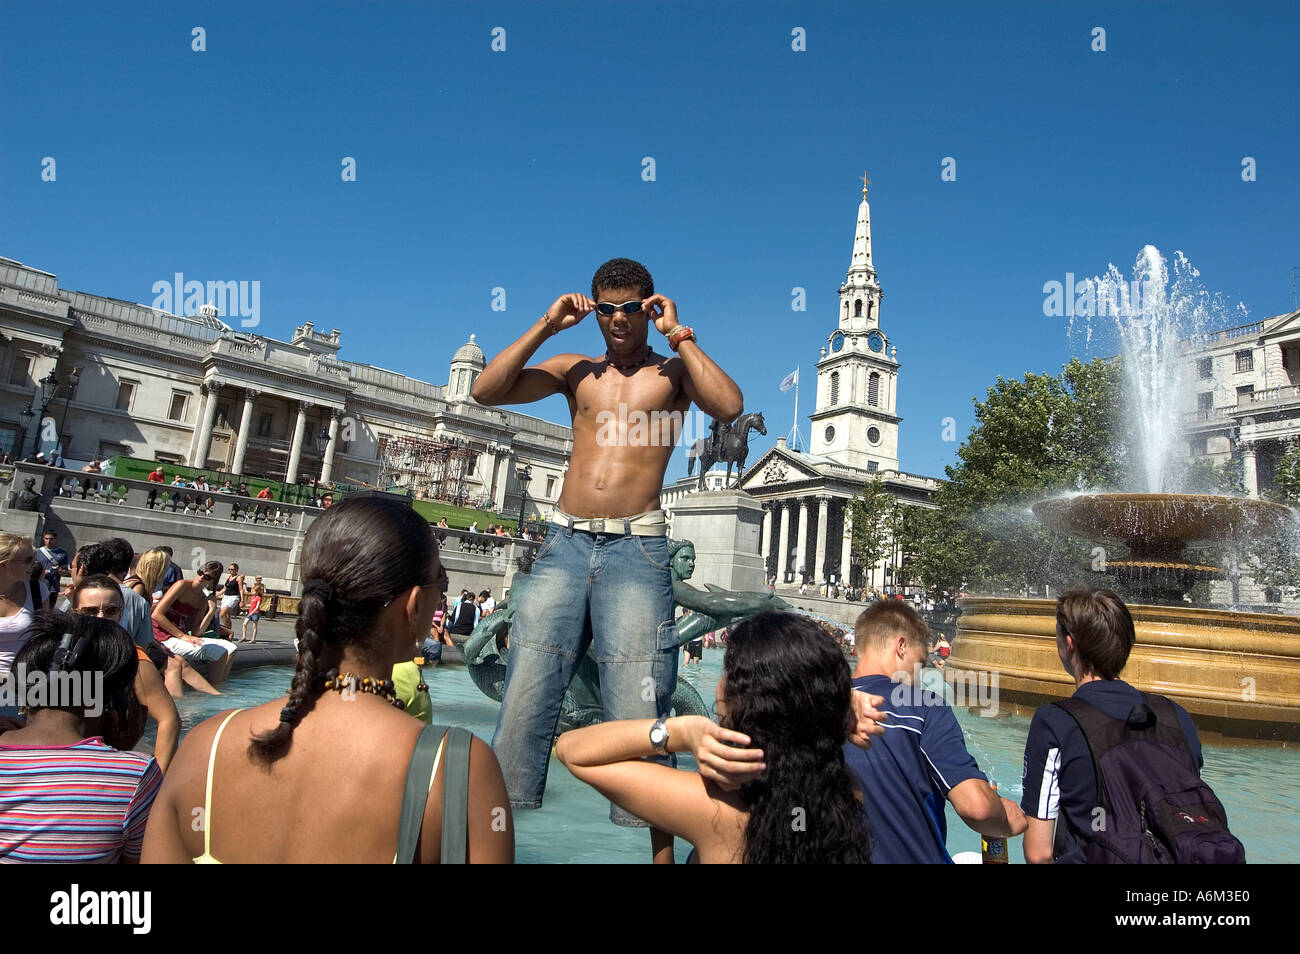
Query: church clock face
876 341
837 341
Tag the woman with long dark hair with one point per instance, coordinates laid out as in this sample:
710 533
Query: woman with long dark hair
337 772
71 789
785 706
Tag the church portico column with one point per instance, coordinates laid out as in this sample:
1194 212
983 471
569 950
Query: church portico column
846 552
819 564
766 548
783 551
295 448
245 427
327 465
201 447
801 546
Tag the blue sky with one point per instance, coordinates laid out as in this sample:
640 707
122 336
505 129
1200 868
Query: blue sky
522 169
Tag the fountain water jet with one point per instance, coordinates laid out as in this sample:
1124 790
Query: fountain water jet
1238 674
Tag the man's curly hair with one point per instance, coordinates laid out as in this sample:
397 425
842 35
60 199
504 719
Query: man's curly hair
622 273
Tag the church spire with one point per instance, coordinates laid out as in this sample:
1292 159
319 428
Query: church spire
861 264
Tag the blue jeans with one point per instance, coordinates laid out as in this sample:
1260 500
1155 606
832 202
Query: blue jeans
608 591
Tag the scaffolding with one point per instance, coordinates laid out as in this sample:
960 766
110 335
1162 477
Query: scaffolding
427 469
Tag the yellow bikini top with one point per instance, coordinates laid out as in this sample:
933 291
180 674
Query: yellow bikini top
206 858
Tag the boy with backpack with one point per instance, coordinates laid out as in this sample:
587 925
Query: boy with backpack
464 614
1112 774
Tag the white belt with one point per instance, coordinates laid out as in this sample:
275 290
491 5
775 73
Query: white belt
648 524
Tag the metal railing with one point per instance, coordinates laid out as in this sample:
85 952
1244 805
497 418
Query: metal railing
56 483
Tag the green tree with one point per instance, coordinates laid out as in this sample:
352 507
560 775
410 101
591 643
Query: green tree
1274 562
873 514
1032 438
1287 477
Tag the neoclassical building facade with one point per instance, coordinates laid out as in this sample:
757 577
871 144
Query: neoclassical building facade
1246 387
807 525
194 391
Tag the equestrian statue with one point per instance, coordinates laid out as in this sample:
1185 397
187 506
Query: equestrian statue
726 443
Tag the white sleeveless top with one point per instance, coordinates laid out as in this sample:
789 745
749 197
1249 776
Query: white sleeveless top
13 631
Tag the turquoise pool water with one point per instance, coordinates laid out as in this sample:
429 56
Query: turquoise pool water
1260 788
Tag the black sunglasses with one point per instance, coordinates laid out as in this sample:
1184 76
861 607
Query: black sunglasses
609 308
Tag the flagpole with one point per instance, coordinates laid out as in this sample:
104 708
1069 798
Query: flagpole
794 430
792 380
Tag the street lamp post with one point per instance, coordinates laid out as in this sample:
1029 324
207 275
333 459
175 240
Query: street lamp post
73 380
322 441
523 475
49 384
26 415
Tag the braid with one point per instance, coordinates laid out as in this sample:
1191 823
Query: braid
356 558
268 746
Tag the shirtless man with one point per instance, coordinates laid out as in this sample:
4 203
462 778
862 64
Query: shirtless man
602 576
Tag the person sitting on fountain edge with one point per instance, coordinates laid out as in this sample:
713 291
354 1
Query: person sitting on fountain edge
604 564
1094 636
921 759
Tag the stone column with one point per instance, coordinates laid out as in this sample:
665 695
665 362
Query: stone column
200 456
819 567
327 465
198 421
783 553
846 552
502 480
245 430
488 471
295 448
766 546
1248 476
801 545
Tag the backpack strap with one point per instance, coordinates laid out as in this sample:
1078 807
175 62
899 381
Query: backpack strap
1101 732
1168 728
455 793
455 798
419 778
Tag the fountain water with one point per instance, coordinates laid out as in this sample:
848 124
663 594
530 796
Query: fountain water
1237 673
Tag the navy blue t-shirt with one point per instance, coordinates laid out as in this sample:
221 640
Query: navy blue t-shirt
1059 773
907 773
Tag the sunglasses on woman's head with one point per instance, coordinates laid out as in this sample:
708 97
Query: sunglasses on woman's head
609 308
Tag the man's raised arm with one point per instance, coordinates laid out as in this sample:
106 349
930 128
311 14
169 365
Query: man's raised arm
506 380
706 384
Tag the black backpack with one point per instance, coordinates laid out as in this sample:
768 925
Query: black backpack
1155 809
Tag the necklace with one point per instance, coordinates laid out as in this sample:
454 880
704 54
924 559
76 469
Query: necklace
628 367
351 682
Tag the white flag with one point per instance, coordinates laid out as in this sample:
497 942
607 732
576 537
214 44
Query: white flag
790 380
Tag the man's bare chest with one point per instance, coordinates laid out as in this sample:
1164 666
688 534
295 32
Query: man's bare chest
651 389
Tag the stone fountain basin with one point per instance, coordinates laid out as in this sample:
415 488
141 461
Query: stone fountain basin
1237 674
1162 518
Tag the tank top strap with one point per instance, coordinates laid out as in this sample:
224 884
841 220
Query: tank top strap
207 795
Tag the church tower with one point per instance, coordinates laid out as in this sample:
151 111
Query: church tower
855 422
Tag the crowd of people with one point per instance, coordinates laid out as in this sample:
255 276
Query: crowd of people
130 632
796 725
813 757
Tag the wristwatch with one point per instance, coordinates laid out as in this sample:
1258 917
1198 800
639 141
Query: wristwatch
659 737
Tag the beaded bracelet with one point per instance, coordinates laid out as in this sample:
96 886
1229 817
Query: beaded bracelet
547 318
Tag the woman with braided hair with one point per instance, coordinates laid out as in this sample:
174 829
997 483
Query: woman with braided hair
336 772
